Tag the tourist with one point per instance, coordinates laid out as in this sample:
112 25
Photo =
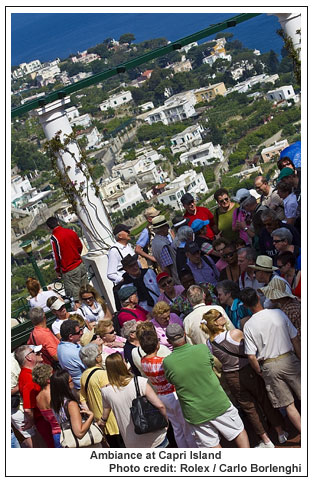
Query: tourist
119 395
223 215
39 297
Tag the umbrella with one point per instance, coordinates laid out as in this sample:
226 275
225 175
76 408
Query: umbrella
294 153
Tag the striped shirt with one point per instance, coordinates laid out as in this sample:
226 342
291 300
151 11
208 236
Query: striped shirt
153 369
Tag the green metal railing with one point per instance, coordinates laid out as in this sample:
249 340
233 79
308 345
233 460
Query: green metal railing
161 51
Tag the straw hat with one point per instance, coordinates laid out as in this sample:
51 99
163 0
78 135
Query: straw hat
276 289
151 212
263 263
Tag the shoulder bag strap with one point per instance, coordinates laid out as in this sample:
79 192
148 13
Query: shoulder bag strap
127 311
89 377
115 247
220 347
42 351
136 386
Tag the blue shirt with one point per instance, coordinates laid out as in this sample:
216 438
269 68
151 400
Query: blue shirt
236 312
144 238
68 356
206 274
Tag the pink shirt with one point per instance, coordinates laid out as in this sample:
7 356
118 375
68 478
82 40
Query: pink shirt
161 331
178 290
138 314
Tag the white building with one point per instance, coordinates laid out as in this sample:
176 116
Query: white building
147 106
116 100
111 186
82 120
187 47
72 112
80 76
47 75
183 66
176 108
85 58
190 137
142 168
26 68
125 199
271 151
202 155
24 196
190 181
217 55
281 94
65 215
92 135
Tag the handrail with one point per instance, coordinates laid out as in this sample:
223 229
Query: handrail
96 78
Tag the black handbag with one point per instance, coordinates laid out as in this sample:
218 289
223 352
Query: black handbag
145 416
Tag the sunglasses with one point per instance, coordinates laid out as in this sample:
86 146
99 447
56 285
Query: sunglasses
109 333
33 352
229 255
88 298
280 266
78 333
278 240
226 199
168 282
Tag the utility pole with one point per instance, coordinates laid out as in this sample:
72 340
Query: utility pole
90 209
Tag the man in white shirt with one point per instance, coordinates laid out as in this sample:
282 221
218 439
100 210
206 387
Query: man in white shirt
117 252
273 349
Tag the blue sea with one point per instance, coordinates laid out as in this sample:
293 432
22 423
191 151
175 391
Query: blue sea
45 36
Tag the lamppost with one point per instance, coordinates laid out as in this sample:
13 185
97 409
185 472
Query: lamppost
26 246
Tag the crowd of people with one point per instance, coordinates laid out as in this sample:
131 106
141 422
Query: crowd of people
207 327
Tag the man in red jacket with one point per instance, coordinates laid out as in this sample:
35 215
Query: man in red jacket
67 248
193 212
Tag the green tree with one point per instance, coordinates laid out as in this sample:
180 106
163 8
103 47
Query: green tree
126 38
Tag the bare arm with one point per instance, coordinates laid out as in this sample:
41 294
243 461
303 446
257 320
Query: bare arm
14 390
254 364
139 250
154 399
297 346
79 428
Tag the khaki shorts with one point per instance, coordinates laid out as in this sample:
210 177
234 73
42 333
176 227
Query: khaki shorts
282 378
229 424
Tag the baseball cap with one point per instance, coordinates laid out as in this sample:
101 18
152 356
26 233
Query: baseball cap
191 247
121 227
285 172
162 275
241 195
57 304
126 291
174 332
198 224
35 348
187 198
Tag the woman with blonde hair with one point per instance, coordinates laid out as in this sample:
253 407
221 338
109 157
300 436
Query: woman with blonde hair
246 386
39 297
93 307
119 395
111 342
162 317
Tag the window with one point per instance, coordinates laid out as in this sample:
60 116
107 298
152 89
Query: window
172 197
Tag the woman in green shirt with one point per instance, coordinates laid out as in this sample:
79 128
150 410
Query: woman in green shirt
224 214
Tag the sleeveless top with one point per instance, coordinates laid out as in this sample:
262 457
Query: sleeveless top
229 362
